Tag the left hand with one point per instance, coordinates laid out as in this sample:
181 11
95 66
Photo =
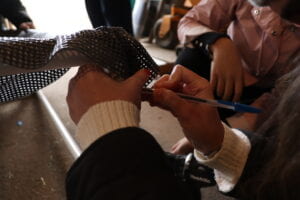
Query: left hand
227 74
91 86
26 25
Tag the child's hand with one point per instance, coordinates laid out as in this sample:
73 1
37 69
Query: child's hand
227 76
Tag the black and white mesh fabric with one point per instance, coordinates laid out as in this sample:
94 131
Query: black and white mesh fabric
29 64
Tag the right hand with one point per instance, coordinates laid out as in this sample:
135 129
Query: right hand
200 122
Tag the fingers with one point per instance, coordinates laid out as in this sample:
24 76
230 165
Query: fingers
72 83
220 87
83 71
30 25
176 149
213 81
133 87
238 90
91 86
169 100
182 74
80 87
27 25
160 83
183 146
89 68
179 76
228 90
93 72
139 79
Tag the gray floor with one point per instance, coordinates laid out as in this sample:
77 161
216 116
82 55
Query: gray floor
33 157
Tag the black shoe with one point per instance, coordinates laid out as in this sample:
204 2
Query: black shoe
188 169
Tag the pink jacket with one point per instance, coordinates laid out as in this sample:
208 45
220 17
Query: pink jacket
265 41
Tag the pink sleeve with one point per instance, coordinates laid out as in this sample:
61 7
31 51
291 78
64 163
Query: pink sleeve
207 16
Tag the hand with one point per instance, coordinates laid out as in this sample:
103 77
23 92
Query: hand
226 70
91 86
26 25
183 146
200 122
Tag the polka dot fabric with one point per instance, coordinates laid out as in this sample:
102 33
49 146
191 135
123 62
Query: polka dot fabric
119 54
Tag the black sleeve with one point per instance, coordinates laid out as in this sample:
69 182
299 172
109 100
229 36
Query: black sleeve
14 11
204 41
125 164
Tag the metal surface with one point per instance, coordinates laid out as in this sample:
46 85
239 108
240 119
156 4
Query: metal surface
68 138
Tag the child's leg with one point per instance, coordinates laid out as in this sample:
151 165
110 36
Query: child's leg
94 8
195 60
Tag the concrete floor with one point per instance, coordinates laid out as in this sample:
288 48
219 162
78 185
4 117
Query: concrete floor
33 157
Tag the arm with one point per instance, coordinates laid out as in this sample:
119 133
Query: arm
16 13
207 16
202 126
121 161
201 23
229 162
119 164
87 104
249 121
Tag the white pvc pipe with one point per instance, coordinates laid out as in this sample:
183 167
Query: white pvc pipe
68 139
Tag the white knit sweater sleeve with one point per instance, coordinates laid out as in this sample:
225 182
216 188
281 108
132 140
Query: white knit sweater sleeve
229 162
105 117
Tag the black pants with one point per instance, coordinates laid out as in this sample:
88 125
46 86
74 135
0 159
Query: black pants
199 62
110 13
126 164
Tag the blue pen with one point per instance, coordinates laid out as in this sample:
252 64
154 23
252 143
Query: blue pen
238 107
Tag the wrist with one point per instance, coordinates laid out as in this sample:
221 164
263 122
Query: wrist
229 162
220 44
207 40
214 144
105 117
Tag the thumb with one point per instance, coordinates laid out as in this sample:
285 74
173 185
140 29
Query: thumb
170 101
139 79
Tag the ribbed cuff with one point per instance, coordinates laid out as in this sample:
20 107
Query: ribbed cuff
105 117
229 162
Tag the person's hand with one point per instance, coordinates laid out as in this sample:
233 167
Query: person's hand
26 25
200 122
183 146
226 70
91 86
